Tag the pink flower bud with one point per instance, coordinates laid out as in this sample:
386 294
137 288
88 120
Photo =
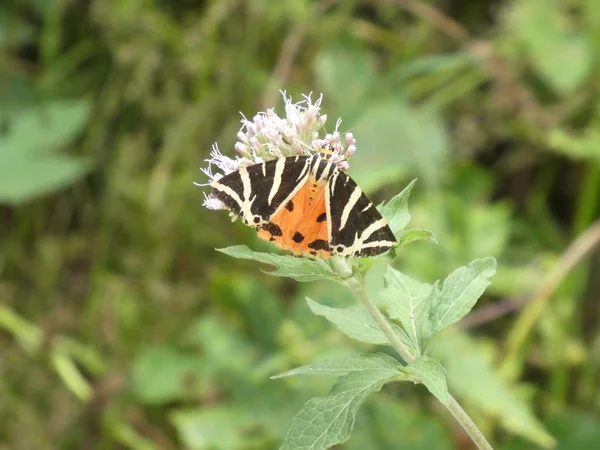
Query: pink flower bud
349 138
241 148
258 121
254 143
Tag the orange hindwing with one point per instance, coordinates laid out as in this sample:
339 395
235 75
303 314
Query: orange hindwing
302 222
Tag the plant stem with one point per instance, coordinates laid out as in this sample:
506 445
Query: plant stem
356 284
522 328
358 287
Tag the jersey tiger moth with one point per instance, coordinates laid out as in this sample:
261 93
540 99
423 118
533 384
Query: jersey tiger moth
306 205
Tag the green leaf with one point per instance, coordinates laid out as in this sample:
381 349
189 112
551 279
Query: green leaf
162 374
417 234
432 374
573 429
396 210
398 139
30 176
389 424
357 324
300 269
45 127
585 145
71 375
460 291
327 421
408 301
27 166
219 427
344 366
543 28
342 68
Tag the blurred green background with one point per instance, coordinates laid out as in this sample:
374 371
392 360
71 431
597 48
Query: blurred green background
122 328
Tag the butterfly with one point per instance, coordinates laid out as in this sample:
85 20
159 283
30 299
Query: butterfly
307 205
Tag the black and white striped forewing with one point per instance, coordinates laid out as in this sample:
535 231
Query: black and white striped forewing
256 192
357 228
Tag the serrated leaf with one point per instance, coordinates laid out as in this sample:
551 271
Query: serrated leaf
344 366
300 269
432 374
407 301
356 323
417 234
460 291
396 210
327 421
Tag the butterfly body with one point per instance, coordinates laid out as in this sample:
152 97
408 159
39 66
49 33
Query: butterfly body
306 205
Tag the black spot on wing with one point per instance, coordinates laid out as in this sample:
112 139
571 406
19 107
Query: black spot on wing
322 217
319 244
297 237
272 228
289 206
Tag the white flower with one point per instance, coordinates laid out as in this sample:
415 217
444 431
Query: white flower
211 202
268 136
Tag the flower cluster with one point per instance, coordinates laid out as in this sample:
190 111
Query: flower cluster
269 136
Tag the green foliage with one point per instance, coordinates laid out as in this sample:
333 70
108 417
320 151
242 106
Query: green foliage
327 421
161 375
408 301
543 31
422 311
396 210
303 269
417 234
338 367
28 167
391 424
459 292
114 304
471 376
431 373
355 322
574 430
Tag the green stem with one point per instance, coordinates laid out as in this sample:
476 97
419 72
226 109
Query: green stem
357 286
